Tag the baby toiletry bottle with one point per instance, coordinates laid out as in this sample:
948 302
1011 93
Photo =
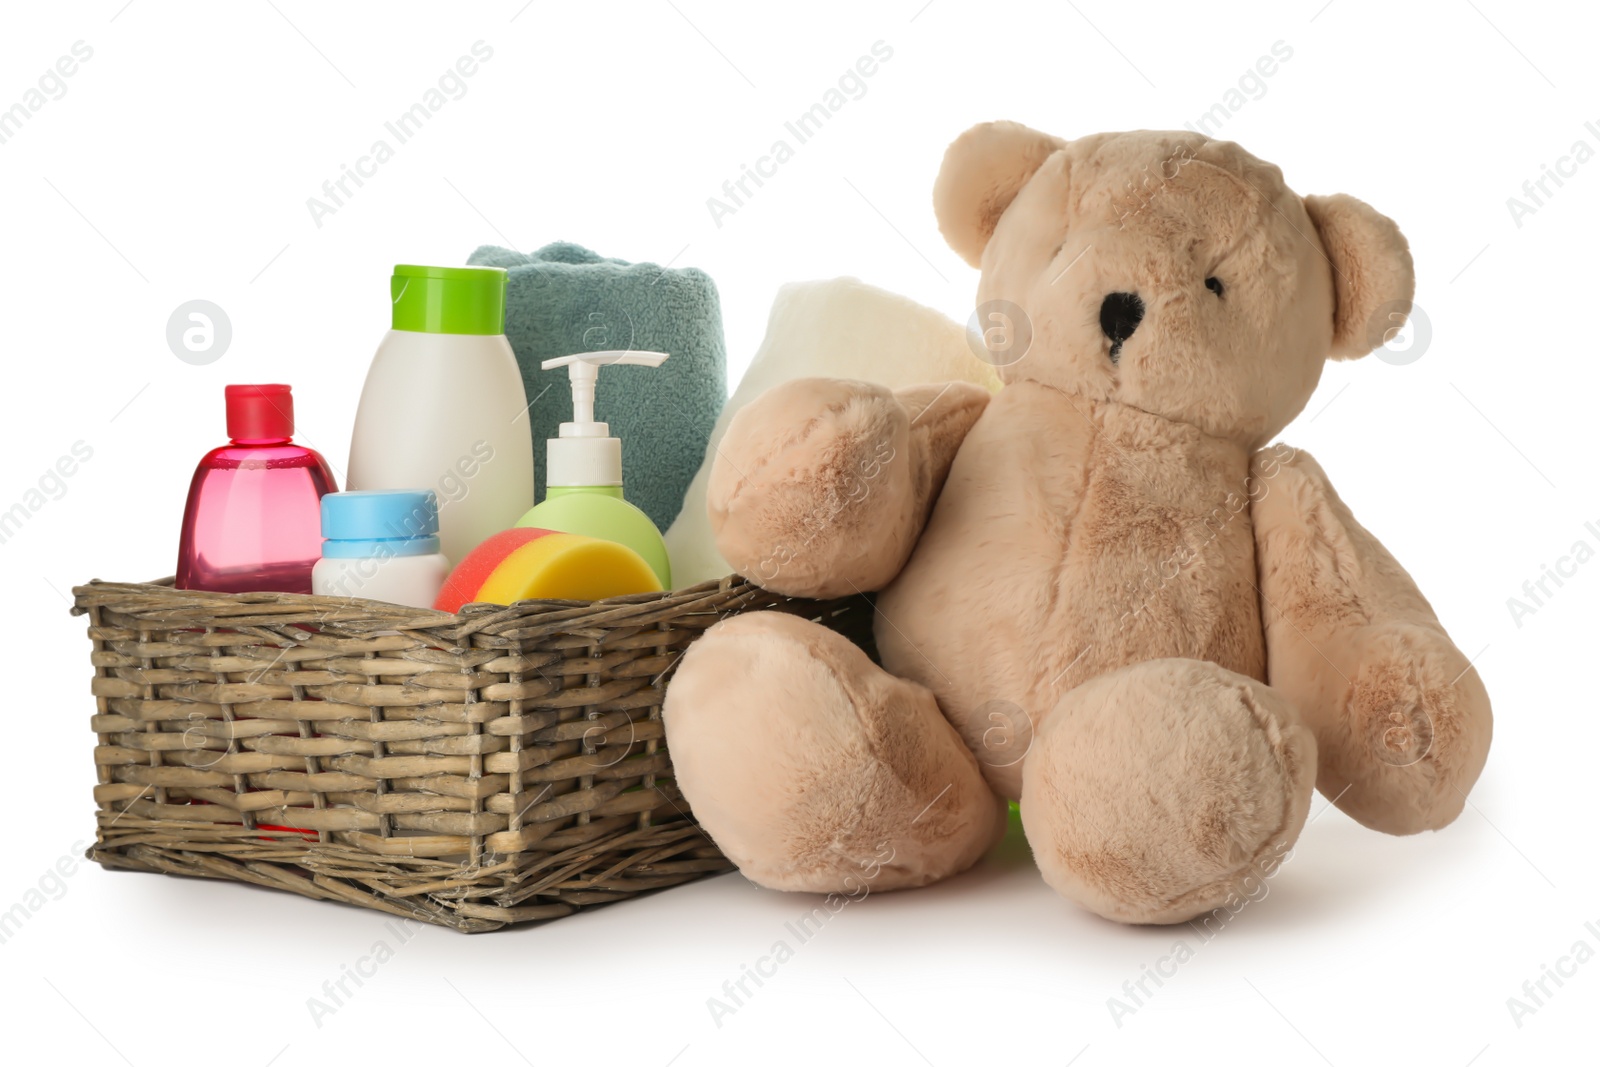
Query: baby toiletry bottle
444 408
252 522
583 475
381 544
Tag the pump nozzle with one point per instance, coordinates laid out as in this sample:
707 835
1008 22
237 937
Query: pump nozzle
582 370
576 464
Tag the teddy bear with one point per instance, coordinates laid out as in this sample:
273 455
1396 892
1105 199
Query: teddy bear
1103 592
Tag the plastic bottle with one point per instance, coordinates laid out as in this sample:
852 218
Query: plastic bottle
443 406
583 478
382 545
252 522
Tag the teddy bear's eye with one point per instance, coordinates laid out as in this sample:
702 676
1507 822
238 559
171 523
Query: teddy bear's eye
1215 285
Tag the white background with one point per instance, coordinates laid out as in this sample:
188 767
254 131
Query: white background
177 166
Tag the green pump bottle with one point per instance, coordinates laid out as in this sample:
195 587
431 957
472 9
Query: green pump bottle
583 469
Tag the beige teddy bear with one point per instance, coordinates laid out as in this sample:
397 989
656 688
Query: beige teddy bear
1101 594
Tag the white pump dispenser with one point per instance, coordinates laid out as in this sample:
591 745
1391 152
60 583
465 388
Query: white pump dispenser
583 472
586 454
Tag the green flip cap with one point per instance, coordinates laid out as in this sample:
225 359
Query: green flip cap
448 299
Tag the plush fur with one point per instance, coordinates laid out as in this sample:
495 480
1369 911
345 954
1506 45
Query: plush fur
1372 274
870 787
1402 721
789 516
839 327
1102 594
1232 771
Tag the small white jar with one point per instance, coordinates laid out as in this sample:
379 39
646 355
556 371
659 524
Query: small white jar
381 545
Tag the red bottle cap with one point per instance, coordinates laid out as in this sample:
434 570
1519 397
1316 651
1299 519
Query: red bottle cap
260 412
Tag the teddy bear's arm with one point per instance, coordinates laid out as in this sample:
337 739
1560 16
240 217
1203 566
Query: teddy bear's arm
821 486
1401 717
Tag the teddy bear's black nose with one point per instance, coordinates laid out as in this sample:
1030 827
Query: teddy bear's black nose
1119 317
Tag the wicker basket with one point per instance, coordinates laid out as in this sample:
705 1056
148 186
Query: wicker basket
500 766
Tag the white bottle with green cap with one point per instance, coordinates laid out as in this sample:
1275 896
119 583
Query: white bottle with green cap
444 408
583 469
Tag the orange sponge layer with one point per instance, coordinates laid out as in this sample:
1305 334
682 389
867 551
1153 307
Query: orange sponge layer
533 564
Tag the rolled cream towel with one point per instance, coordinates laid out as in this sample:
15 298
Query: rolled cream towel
839 328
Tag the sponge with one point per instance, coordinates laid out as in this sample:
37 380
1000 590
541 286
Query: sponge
528 563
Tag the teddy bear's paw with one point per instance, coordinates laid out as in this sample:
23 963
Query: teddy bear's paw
812 491
1166 789
1413 732
815 770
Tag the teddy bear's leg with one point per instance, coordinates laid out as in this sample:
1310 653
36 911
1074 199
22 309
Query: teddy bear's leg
1402 719
814 769
1157 792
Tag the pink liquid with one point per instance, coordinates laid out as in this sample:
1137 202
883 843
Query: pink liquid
253 522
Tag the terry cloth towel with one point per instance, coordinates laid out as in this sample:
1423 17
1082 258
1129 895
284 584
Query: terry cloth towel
564 299
840 328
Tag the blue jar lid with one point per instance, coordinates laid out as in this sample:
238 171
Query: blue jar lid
401 521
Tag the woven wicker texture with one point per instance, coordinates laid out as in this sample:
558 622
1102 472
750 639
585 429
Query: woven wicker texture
500 766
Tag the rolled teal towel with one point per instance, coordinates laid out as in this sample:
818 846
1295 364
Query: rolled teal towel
564 299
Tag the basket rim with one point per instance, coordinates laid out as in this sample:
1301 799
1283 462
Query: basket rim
161 602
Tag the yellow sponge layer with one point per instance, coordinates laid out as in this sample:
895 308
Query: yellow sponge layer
561 566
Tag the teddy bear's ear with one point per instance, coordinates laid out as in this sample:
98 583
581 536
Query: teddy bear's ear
982 173
1373 280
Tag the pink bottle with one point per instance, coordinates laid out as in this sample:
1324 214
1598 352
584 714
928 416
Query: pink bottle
254 522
